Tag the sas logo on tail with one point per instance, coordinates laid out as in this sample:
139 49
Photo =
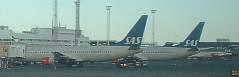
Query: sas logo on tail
191 43
133 40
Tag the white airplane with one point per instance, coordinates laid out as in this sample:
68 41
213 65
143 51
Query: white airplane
157 53
164 53
211 53
182 50
70 55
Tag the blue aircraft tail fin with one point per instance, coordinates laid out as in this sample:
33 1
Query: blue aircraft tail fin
193 39
135 35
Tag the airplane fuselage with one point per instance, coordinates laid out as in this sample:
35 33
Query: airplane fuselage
210 54
164 53
87 53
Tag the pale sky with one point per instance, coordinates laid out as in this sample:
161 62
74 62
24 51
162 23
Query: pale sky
175 19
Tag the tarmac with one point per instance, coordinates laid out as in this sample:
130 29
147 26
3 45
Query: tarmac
171 68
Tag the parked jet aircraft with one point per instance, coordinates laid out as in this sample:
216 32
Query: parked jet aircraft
212 53
70 55
181 51
156 53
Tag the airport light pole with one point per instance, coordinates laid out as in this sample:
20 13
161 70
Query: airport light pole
153 26
55 20
77 27
108 24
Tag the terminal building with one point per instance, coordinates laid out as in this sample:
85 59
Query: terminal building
16 42
220 42
41 36
44 36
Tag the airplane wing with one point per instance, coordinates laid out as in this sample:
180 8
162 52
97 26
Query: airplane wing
57 54
139 55
194 49
60 58
134 47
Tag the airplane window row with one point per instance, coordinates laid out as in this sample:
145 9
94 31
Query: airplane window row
151 52
40 52
44 52
86 51
42 40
